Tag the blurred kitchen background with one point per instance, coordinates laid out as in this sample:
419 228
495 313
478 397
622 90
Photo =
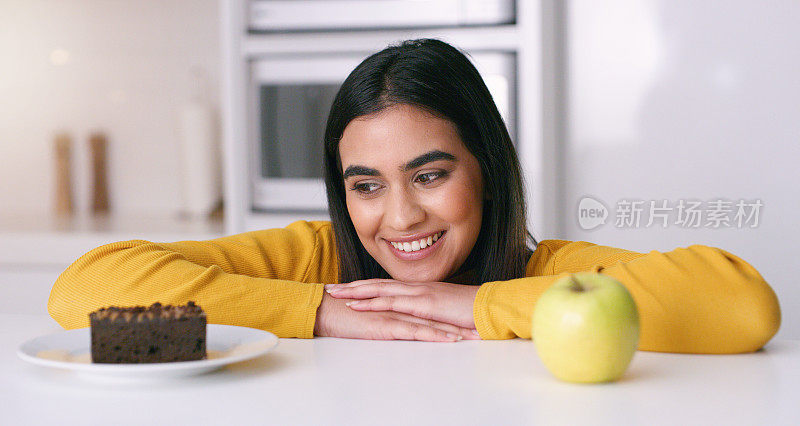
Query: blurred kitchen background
206 117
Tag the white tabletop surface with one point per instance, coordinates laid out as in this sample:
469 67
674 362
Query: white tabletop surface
340 381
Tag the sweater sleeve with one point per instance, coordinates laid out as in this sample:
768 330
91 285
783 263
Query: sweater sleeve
271 279
697 299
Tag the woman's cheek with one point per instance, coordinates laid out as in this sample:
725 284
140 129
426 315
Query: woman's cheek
458 204
364 215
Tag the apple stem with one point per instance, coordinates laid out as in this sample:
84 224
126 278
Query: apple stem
576 286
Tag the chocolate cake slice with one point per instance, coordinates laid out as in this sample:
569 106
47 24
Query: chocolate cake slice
147 335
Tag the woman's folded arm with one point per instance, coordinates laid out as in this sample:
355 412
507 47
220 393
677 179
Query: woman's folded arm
257 279
693 300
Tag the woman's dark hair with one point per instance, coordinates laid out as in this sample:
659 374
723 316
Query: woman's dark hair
434 76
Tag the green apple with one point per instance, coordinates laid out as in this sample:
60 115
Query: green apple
586 328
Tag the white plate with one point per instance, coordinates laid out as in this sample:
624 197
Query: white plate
225 344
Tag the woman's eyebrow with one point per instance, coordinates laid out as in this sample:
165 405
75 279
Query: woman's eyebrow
423 159
359 171
428 157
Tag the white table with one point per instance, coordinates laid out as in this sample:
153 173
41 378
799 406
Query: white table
340 381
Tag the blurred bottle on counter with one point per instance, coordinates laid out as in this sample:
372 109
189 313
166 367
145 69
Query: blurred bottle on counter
201 183
98 149
62 147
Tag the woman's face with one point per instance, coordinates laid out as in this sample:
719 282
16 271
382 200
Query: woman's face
414 192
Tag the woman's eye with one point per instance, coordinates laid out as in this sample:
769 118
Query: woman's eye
365 188
425 178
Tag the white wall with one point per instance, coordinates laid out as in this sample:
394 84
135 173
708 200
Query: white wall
125 68
688 100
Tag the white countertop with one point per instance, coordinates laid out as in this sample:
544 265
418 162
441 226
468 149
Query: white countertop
51 240
341 381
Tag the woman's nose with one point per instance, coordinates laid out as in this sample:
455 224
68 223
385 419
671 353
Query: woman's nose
404 210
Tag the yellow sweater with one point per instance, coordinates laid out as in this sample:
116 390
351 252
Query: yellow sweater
696 300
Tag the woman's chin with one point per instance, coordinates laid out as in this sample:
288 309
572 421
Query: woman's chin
421 277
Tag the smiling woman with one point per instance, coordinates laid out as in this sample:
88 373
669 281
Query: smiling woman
427 238
396 109
397 204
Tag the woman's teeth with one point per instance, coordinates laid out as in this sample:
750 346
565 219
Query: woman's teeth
418 244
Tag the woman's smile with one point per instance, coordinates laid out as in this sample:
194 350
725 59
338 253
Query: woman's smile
416 248
413 191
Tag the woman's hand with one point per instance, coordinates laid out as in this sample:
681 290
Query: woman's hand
442 302
335 319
